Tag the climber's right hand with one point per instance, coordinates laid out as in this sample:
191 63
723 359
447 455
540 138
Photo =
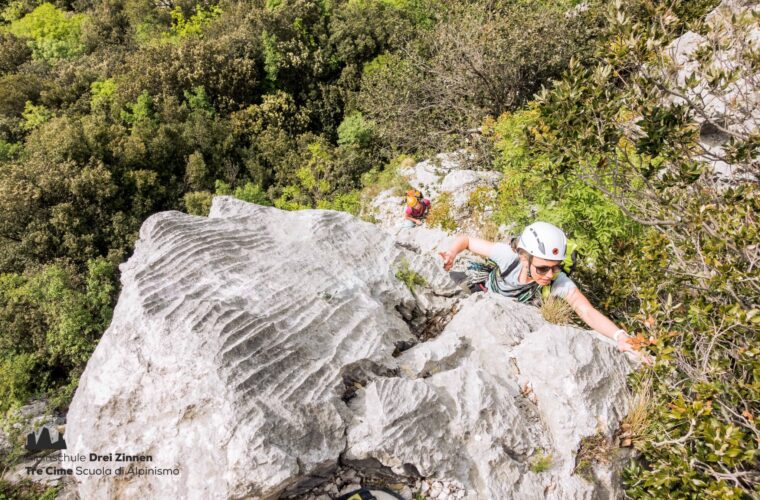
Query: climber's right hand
448 260
625 344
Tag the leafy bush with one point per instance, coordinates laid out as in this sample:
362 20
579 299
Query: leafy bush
102 93
377 180
345 202
34 116
440 213
9 151
196 171
531 190
182 27
50 322
54 34
13 52
18 378
249 192
480 59
141 110
15 90
354 129
198 202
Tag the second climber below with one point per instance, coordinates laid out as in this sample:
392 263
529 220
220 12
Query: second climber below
531 266
417 207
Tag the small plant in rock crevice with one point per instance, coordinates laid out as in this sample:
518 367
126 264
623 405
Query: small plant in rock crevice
556 310
596 449
440 214
409 276
540 462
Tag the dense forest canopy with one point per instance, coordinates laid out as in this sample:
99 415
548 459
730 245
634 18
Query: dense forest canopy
112 110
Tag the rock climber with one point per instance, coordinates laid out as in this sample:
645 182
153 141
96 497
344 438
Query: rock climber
529 269
416 209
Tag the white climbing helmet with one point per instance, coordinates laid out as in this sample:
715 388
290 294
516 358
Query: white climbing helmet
543 240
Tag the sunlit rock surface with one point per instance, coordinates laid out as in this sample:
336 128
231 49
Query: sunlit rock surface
257 350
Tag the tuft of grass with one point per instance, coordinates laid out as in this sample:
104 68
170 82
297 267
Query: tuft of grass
596 449
407 162
440 213
407 275
540 462
635 423
556 310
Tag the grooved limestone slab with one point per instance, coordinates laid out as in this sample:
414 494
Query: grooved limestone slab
228 343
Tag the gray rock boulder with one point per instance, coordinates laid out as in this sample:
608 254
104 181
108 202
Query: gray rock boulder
496 388
255 352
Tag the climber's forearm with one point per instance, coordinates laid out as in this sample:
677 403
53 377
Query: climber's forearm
465 242
590 315
600 323
462 242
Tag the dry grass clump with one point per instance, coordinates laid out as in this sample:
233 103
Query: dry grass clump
556 310
488 230
407 162
634 424
596 449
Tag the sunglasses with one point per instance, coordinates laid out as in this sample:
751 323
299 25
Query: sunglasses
545 269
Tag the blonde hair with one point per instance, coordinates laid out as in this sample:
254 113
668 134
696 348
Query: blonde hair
519 251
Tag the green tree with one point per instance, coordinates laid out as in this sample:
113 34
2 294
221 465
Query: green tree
54 34
182 27
13 52
479 59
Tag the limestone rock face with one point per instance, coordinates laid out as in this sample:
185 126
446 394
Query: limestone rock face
256 350
443 174
496 389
